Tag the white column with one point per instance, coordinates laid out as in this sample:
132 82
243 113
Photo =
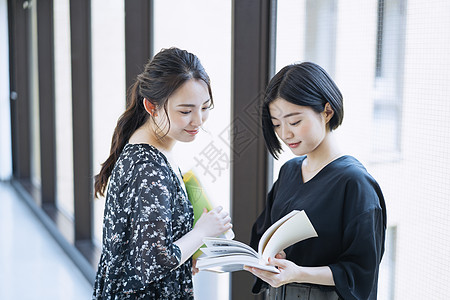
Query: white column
5 116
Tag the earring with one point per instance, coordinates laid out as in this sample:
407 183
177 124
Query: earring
150 107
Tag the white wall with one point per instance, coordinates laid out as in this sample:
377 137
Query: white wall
5 124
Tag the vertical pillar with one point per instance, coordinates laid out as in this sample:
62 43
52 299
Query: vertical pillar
46 72
138 37
80 31
253 42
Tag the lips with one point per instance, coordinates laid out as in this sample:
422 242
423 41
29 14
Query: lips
293 145
192 132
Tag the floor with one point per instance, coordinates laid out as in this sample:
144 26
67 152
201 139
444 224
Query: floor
32 265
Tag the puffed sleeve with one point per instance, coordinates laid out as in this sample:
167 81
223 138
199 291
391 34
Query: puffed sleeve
259 227
356 271
152 252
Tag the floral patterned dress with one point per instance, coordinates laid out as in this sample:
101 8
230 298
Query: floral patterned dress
146 210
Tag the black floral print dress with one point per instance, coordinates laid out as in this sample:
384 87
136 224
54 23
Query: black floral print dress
146 210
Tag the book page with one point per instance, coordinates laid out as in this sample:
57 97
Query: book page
269 232
227 250
232 263
293 229
211 242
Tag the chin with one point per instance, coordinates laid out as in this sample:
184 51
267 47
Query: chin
187 139
298 152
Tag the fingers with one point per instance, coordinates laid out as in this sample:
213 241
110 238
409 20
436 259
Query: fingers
282 263
226 220
195 270
215 222
221 214
217 209
281 255
266 276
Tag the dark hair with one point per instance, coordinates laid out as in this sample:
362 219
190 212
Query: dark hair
162 76
305 84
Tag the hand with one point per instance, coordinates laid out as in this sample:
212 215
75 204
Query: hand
213 223
195 270
288 271
281 255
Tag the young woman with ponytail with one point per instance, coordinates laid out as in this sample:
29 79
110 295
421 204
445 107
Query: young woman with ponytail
148 236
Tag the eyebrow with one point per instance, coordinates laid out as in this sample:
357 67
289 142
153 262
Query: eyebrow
288 115
192 105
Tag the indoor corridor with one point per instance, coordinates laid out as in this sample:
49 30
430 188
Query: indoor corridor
32 265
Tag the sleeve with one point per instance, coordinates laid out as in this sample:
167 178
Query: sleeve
152 252
356 271
259 227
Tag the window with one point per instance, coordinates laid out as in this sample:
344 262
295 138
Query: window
34 99
63 108
391 64
209 156
386 284
306 31
108 88
387 107
5 120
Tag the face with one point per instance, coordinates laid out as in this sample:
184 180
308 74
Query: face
188 108
299 127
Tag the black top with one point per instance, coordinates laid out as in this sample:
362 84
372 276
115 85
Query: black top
347 209
146 210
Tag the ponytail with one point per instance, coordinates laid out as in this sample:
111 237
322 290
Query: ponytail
162 76
133 118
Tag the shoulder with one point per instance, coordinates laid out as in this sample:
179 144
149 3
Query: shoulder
143 153
350 170
143 159
292 166
362 191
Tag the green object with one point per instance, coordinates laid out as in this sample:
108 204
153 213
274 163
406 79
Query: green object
198 199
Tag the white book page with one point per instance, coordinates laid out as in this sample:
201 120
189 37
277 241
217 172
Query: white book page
232 263
224 250
211 242
269 232
295 229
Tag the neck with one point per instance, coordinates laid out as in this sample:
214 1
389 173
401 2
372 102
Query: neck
325 153
147 134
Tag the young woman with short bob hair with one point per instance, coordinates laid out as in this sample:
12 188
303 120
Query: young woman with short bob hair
302 108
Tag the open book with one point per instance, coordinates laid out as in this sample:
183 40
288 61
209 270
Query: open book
222 255
199 201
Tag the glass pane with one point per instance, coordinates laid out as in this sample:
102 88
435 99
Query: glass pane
290 48
34 101
306 31
389 60
63 107
206 32
108 87
5 119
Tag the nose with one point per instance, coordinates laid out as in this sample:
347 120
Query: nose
286 132
197 118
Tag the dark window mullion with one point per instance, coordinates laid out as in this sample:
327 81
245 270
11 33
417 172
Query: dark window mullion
80 20
19 85
253 37
46 101
138 37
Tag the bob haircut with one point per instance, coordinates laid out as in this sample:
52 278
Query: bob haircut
304 84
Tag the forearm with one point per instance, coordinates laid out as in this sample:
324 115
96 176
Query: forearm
189 243
315 275
210 224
